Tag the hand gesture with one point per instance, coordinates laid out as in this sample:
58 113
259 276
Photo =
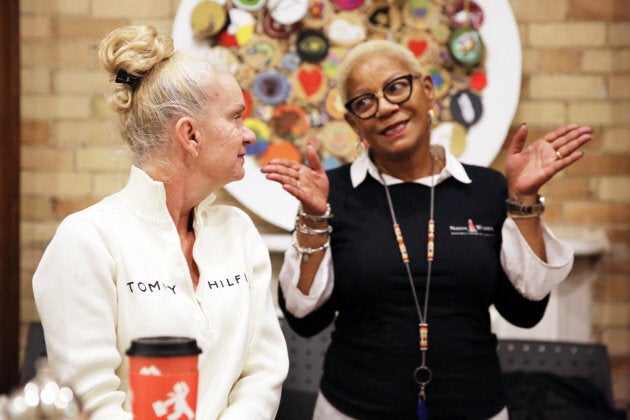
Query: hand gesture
527 169
309 184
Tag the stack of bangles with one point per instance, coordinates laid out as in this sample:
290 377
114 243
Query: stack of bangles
305 252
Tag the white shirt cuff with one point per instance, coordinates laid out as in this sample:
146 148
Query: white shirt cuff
531 276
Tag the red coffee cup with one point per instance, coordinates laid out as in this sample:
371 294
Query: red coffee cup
163 377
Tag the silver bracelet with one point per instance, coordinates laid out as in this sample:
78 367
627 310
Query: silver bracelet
307 230
315 217
306 251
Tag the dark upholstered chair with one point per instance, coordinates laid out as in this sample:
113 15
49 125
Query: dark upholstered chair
567 359
306 360
35 349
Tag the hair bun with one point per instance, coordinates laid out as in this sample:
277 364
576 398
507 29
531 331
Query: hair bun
129 53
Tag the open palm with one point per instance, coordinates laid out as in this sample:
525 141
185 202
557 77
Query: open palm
529 168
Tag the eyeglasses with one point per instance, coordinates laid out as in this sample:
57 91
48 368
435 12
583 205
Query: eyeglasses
396 92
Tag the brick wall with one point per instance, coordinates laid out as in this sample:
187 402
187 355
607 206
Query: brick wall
576 68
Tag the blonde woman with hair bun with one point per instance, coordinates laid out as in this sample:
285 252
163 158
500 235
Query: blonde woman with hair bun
159 257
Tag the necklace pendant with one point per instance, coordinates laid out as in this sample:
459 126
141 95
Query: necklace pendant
423 412
421 408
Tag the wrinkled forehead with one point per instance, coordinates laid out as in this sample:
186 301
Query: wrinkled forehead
223 83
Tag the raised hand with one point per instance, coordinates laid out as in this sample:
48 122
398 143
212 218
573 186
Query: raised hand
529 168
309 184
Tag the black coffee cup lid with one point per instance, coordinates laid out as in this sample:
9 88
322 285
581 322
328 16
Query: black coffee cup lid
163 346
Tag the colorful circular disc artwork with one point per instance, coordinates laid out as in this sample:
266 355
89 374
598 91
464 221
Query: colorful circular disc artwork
285 54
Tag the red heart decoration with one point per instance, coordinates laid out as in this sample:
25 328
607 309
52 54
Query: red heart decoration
227 40
311 80
417 46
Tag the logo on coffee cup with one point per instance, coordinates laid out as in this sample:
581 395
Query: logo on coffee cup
177 400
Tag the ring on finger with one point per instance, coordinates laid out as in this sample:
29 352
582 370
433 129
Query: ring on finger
559 155
297 184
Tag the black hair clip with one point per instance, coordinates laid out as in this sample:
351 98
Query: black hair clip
128 79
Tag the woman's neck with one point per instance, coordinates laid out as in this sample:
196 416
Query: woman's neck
419 165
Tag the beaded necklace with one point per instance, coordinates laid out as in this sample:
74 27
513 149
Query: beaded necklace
422 374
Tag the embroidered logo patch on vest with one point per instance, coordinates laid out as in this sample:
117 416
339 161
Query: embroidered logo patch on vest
472 229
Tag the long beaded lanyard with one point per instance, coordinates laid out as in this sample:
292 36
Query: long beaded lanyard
422 374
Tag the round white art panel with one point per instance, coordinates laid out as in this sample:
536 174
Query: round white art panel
285 54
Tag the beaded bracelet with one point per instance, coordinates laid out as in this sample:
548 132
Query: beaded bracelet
306 252
315 217
307 230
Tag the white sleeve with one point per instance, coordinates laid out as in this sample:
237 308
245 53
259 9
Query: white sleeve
531 276
75 293
256 393
297 303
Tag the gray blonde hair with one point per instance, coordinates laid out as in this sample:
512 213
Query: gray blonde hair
171 85
379 47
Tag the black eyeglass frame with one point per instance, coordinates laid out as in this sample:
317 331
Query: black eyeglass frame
408 77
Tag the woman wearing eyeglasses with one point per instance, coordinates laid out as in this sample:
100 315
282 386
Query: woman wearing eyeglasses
406 248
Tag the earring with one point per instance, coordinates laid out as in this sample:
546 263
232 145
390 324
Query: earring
431 116
359 148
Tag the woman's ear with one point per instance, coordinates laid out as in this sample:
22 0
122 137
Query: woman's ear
187 135
429 90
